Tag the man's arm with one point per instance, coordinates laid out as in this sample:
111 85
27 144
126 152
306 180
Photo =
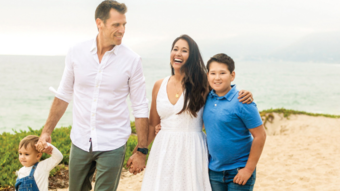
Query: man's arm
140 109
142 128
57 110
60 103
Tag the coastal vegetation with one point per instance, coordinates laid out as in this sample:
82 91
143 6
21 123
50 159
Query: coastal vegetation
9 162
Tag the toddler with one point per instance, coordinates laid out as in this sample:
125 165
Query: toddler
34 174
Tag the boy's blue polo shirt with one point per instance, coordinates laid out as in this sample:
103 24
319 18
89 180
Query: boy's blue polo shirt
226 122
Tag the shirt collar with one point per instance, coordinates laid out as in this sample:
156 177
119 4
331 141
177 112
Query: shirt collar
94 48
229 96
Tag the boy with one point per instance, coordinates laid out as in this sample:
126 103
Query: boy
235 134
34 174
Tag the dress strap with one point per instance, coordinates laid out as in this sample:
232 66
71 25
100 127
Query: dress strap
165 82
33 169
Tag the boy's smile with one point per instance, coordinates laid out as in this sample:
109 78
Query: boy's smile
220 78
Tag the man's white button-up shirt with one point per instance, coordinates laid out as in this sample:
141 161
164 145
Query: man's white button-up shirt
100 90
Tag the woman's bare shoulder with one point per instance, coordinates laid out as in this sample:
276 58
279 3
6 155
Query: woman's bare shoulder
157 85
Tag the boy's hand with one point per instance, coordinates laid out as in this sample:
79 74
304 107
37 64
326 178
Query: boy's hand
242 176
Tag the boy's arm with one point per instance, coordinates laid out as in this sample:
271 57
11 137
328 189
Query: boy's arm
244 174
54 160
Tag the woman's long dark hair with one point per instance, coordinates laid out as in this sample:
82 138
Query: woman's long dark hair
195 81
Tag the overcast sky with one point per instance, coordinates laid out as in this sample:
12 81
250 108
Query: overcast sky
51 27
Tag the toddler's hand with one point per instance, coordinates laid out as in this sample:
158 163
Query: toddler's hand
242 176
48 150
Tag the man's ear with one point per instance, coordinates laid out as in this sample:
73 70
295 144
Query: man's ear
99 23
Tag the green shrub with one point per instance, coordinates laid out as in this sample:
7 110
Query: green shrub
133 127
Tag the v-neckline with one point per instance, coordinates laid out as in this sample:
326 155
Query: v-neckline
167 96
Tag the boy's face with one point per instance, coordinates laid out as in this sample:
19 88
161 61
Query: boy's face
220 78
28 156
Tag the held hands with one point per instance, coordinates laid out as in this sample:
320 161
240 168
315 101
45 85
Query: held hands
242 176
245 96
42 146
136 163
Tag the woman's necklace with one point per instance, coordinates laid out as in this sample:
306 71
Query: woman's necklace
177 92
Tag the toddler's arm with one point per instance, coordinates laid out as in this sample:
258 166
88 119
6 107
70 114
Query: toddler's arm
53 161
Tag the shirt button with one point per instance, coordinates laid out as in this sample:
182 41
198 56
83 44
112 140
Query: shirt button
215 105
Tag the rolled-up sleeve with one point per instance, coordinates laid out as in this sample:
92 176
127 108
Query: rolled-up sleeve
138 91
65 89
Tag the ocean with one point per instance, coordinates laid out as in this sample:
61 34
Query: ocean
26 100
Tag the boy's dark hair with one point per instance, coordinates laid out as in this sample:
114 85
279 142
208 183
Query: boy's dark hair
29 140
224 59
104 8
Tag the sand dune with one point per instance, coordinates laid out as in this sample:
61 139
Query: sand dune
301 153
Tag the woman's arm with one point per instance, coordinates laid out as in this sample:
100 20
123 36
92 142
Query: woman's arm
154 118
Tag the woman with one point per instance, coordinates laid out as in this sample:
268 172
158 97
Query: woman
179 156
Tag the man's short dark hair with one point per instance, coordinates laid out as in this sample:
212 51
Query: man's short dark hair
104 8
223 59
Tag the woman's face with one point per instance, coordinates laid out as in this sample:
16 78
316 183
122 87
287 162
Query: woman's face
179 54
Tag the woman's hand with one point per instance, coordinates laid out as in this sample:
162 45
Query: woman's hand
245 96
157 128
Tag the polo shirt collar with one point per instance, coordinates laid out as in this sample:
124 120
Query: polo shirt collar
229 96
93 49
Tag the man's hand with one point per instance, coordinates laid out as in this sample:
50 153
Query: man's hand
42 146
245 96
242 176
157 128
136 163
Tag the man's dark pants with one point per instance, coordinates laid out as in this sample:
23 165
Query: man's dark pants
83 164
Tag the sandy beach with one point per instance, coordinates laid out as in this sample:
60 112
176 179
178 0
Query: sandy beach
301 153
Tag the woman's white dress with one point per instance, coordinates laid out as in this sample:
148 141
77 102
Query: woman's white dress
178 159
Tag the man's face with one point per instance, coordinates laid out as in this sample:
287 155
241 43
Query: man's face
113 29
28 156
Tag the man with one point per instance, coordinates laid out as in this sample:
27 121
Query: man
100 74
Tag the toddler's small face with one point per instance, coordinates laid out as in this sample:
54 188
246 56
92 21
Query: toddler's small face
28 156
